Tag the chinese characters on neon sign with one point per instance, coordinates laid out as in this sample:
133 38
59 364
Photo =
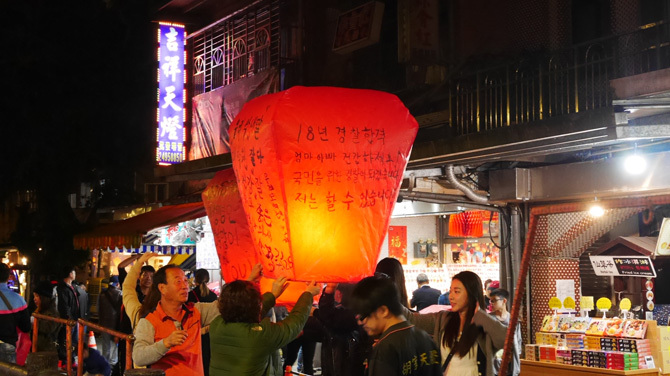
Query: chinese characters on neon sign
170 114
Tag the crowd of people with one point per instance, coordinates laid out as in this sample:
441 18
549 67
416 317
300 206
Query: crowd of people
366 328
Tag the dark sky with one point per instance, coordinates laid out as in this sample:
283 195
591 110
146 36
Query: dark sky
79 92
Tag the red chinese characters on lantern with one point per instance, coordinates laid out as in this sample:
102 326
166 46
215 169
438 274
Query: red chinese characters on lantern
318 171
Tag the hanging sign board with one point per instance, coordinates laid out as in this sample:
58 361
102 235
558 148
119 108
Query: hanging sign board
623 266
663 242
318 171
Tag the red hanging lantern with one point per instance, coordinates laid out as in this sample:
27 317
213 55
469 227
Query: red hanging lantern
319 171
233 241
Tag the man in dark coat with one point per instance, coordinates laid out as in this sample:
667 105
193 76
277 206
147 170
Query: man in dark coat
424 296
68 308
109 306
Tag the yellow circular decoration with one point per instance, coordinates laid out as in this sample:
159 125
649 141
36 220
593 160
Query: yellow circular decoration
604 304
555 303
569 303
625 304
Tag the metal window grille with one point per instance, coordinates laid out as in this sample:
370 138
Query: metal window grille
238 47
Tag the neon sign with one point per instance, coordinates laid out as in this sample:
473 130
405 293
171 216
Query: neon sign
170 113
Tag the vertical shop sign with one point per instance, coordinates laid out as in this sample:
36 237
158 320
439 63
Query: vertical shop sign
418 31
171 79
398 243
663 243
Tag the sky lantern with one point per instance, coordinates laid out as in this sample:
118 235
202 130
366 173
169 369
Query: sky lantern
319 169
233 241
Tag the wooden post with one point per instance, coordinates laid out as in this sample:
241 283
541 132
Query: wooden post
81 330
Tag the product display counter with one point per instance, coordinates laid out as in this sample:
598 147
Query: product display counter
598 351
533 368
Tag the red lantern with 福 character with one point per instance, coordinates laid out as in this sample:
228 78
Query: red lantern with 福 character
319 169
233 241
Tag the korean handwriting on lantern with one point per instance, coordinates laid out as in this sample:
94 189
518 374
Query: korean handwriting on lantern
318 133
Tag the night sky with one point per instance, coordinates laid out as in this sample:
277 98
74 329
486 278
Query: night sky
79 95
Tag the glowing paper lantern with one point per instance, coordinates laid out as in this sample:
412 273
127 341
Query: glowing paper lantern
234 245
319 171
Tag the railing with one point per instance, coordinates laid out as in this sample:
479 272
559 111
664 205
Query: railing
82 324
561 83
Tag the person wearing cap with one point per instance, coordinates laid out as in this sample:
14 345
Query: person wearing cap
109 308
424 296
47 331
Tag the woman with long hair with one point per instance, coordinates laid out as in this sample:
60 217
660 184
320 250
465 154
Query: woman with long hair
47 331
201 293
393 269
468 337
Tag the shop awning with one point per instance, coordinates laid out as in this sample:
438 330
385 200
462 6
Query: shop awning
129 233
162 249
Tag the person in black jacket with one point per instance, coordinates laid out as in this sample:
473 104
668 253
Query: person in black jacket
109 308
424 296
345 345
401 349
202 293
68 308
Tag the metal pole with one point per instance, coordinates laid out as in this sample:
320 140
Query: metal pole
80 349
516 306
35 328
129 353
68 343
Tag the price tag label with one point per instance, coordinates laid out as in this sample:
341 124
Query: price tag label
625 304
555 303
569 303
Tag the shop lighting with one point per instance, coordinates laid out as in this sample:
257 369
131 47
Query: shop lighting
596 210
24 261
635 164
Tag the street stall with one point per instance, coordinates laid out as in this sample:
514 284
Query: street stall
611 340
155 231
431 244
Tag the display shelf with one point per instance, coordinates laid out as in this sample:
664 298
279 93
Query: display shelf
533 368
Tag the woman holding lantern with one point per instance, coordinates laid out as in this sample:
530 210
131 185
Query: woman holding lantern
242 343
467 336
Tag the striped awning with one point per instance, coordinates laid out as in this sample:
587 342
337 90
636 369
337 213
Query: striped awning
130 233
162 249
